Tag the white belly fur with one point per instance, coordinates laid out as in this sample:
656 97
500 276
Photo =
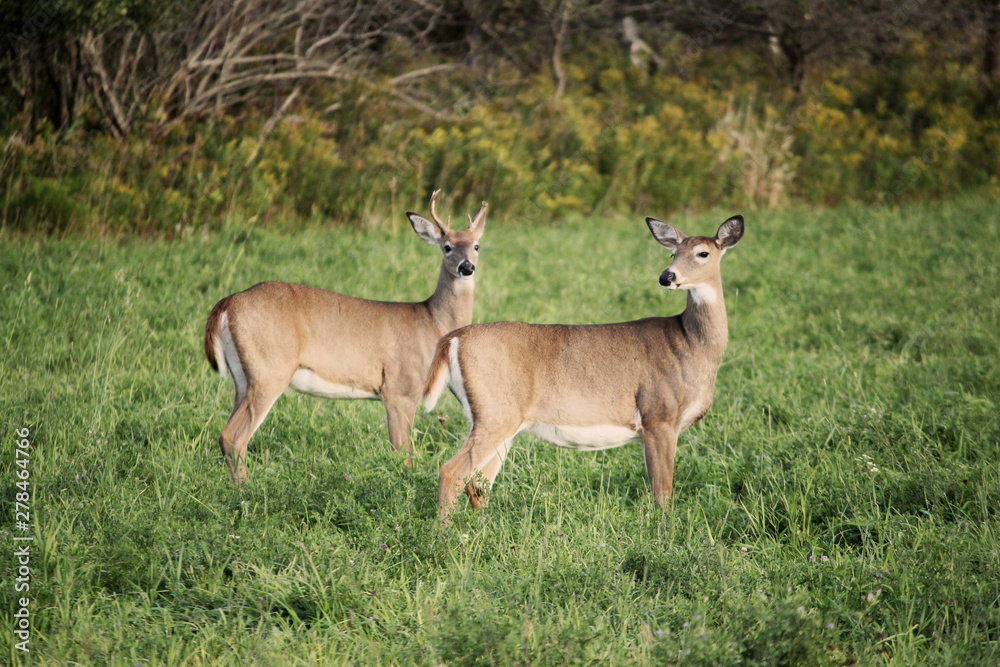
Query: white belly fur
583 438
307 382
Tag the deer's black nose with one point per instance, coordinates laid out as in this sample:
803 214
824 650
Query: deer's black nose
466 268
667 277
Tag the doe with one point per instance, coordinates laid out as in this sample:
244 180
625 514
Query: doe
277 335
590 386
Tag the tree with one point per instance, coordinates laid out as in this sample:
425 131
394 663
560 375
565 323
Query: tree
802 31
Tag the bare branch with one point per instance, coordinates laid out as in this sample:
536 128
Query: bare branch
557 69
104 87
433 69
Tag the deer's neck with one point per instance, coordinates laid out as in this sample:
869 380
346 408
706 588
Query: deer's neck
451 304
705 320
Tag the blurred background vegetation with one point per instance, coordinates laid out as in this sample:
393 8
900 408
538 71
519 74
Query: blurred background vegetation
168 117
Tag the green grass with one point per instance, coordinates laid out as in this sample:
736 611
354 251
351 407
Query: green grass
859 339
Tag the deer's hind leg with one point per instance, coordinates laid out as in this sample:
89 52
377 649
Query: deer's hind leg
247 416
483 452
254 397
490 469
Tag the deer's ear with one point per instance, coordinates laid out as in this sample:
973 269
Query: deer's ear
730 232
668 235
425 229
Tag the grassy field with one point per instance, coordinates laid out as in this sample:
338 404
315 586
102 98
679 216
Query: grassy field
838 505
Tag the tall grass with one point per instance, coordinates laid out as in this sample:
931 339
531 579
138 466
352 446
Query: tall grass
836 506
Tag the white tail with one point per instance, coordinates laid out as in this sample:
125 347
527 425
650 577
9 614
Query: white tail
590 387
278 335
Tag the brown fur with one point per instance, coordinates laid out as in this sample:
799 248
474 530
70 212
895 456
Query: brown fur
212 331
594 385
439 366
336 346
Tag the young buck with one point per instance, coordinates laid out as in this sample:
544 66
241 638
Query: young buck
594 386
278 335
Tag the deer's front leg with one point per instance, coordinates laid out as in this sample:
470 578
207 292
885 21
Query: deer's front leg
659 446
399 412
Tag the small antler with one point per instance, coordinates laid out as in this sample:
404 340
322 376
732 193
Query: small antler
479 216
444 226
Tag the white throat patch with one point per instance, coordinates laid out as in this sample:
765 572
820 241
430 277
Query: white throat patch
703 294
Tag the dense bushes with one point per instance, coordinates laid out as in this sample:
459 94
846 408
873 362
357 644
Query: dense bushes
619 140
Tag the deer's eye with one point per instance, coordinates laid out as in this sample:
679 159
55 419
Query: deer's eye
703 254
476 247
447 248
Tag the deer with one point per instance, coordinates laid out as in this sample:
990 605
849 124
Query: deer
278 335
589 387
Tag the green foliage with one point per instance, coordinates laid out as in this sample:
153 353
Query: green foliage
836 506
617 141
